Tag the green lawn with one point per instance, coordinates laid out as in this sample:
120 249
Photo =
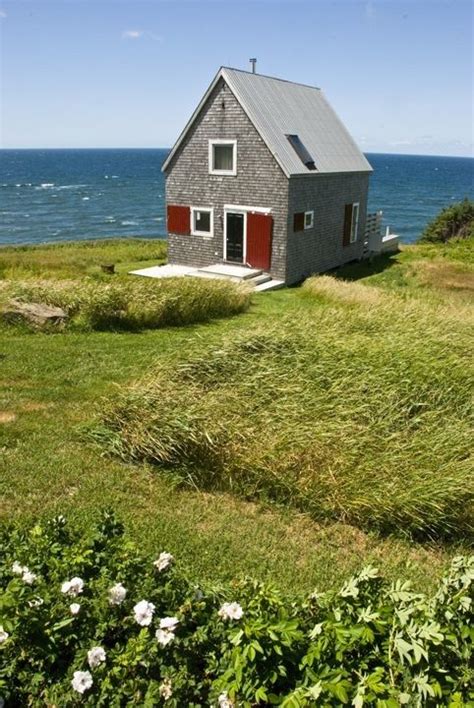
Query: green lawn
52 387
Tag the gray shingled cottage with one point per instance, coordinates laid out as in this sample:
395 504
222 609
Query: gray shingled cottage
265 176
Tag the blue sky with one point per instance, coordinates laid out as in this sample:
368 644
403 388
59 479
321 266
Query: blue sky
128 73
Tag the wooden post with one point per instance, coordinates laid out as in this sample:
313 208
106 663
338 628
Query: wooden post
108 268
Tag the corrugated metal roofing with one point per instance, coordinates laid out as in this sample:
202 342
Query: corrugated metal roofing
278 108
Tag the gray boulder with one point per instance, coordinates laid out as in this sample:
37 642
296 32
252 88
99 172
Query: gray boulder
34 313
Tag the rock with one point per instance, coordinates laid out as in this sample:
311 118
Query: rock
34 313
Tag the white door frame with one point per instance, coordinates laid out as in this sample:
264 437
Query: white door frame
237 209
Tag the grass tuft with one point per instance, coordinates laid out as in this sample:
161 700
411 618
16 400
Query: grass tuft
132 303
359 414
351 293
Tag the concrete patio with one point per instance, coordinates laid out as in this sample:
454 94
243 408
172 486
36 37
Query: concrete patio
256 278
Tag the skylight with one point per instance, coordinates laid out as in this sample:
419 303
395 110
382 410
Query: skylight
301 151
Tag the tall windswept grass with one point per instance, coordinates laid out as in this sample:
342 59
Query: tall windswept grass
352 293
354 413
135 303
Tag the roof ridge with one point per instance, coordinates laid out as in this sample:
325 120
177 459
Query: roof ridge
274 78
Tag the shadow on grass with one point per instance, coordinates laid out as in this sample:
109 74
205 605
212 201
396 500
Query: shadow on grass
363 269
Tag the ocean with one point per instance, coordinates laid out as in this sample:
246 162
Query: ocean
58 195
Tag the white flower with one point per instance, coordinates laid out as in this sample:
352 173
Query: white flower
73 587
163 561
28 577
165 689
74 608
81 681
169 623
165 634
164 637
143 611
117 594
223 701
3 635
95 656
37 602
231 610
19 569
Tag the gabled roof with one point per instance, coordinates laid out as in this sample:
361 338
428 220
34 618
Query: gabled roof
278 109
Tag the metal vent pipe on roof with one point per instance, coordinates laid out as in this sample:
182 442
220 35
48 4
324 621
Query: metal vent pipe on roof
254 64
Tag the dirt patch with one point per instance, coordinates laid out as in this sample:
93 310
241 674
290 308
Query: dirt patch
34 406
7 417
447 276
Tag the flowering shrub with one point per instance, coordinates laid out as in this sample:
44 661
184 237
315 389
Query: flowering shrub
141 633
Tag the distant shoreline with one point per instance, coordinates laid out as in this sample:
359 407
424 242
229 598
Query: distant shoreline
79 241
95 149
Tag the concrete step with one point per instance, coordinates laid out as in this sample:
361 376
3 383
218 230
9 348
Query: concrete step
209 276
230 271
271 284
259 279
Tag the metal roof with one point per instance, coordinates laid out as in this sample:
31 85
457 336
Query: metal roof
279 108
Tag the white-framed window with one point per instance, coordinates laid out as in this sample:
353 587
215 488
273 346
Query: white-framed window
223 157
308 219
202 221
354 222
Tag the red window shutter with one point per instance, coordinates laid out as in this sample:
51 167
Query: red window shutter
346 238
178 220
298 221
259 240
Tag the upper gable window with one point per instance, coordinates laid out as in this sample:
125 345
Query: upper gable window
223 157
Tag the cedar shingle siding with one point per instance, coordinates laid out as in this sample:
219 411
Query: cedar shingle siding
296 252
321 248
259 182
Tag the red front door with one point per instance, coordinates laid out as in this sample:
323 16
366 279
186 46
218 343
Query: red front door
259 240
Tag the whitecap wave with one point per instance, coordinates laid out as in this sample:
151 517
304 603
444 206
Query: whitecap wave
129 223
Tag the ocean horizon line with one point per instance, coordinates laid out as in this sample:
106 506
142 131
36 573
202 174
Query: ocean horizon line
366 152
